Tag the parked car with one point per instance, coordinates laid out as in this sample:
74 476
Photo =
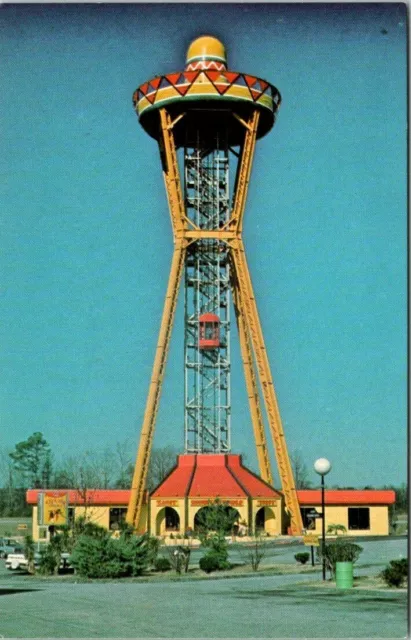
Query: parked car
16 561
8 545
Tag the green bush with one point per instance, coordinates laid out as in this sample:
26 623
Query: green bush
49 560
50 556
29 551
396 572
209 563
302 557
106 557
214 561
162 564
340 550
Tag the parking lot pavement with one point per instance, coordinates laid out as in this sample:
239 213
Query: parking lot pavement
258 607
254 607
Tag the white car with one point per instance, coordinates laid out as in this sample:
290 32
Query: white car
16 561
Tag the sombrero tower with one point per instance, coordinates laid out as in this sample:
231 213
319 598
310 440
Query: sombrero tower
206 120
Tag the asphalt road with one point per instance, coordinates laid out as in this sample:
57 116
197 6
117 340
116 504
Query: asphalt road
288 606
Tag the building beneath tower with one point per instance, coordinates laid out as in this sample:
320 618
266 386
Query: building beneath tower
172 509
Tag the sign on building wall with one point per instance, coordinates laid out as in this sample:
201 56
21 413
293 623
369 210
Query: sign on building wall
52 508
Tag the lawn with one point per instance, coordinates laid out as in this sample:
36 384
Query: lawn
9 527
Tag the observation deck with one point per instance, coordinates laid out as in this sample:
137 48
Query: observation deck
208 95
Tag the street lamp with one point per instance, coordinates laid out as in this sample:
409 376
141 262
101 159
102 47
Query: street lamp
322 466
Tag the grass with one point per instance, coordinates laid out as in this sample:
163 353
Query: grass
8 527
194 574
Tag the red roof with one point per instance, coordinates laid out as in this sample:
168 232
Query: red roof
213 475
219 475
346 496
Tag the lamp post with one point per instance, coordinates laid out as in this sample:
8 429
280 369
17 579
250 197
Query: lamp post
322 466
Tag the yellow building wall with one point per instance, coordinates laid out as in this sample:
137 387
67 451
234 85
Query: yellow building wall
272 508
98 514
338 514
157 515
272 513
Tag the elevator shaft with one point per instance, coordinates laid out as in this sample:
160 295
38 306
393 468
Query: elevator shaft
207 295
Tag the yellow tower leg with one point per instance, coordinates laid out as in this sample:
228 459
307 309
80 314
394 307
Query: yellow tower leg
252 391
244 170
176 206
248 303
147 432
170 172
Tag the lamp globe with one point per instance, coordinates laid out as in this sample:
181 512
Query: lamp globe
322 466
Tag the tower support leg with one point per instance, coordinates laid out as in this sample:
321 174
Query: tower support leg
252 390
176 206
147 431
248 303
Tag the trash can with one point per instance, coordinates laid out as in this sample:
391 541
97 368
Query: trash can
344 575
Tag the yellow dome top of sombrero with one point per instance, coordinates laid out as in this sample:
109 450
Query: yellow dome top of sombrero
206 48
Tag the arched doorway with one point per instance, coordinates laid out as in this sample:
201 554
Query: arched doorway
167 521
265 521
216 518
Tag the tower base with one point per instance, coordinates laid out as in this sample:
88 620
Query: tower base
198 480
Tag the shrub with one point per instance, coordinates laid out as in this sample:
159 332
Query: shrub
216 544
180 558
106 557
396 572
162 564
336 529
252 553
214 561
209 563
339 550
49 560
50 556
302 557
29 552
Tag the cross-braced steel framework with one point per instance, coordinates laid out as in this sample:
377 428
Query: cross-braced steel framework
196 225
207 290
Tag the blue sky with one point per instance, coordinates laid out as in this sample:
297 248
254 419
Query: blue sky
87 240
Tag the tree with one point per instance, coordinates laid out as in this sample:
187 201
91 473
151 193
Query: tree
214 522
162 460
32 459
300 470
124 465
253 552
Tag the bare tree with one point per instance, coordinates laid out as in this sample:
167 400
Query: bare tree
124 465
300 470
162 460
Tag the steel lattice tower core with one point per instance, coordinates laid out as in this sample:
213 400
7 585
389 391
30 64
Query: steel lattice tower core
207 297
206 120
